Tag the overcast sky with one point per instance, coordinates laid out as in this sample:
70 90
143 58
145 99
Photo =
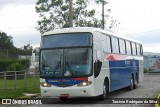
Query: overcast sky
18 19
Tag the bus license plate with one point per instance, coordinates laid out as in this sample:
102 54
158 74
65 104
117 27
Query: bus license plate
64 95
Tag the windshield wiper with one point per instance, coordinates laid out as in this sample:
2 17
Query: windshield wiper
58 65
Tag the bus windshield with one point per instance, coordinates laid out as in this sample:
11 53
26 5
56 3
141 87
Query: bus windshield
66 62
66 40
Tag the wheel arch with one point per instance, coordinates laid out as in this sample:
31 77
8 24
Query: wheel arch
107 83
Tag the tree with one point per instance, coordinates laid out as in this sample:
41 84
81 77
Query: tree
27 49
5 41
8 50
55 14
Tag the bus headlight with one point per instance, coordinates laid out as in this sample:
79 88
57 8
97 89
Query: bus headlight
85 83
44 84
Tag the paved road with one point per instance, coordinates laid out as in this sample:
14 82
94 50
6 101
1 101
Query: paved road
149 88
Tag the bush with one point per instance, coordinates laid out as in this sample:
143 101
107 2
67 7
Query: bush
14 64
15 67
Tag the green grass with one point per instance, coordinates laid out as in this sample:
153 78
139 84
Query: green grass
32 86
17 93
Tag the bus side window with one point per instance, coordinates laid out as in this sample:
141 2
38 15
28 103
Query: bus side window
138 50
122 46
141 49
106 44
115 46
134 51
128 48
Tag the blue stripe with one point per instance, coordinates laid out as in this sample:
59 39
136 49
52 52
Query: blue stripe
63 82
120 73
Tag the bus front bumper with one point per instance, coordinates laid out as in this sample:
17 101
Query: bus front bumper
84 91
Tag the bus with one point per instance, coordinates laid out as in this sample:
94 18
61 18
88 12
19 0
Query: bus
88 62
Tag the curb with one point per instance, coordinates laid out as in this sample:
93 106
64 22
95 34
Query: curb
28 95
158 101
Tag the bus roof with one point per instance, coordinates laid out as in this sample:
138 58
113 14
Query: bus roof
87 29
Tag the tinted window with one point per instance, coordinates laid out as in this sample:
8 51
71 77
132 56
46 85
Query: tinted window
134 51
128 47
122 46
98 40
106 44
66 62
97 37
141 49
98 43
64 40
115 47
138 49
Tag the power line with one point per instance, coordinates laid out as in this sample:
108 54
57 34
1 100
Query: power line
145 32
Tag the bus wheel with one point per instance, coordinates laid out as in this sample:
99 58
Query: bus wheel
104 95
135 82
63 99
131 83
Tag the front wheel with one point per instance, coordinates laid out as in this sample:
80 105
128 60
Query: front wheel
105 92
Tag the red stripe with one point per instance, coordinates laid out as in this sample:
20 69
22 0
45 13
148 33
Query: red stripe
81 78
64 95
115 57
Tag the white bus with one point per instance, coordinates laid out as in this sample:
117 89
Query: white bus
88 62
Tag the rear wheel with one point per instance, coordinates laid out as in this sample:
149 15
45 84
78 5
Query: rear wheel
135 82
131 83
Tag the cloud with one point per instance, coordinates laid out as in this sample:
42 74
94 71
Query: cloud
154 47
149 37
136 15
28 38
16 2
150 40
19 21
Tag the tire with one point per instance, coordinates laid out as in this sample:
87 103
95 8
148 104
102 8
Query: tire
131 83
135 82
63 99
105 92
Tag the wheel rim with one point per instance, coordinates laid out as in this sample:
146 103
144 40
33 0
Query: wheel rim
132 83
104 91
136 82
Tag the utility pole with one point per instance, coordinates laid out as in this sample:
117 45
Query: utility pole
70 13
102 14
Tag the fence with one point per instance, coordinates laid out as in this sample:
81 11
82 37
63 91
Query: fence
18 79
152 64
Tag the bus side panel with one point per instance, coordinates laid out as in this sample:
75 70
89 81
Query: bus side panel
99 81
104 71
119 74
121 70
